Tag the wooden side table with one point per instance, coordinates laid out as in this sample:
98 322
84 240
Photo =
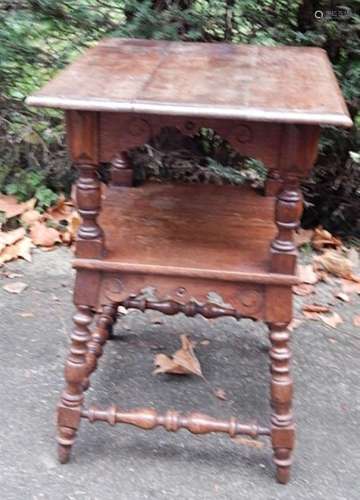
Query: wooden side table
186 241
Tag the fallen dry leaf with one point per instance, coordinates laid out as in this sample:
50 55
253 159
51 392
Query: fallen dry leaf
323 276
11 275
294 323
69 235
44 236
66 237
253 443
64 211
104 189
220 394
26 315
311 315
155 317
165 364
8 253
335 263
303 289
182 361
12 208
350 286
48 249
11 237
303 236
353 255
323 239
342 296
315 308
73 194
122 310
332 320
16 287
61 211
306 274
21 248
30 217
74 223
356 320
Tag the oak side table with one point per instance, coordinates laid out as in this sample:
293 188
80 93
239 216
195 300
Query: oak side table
186 241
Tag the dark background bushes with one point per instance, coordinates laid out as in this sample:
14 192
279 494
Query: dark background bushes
38 37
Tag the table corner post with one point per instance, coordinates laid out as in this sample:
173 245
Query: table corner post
288 211
83 134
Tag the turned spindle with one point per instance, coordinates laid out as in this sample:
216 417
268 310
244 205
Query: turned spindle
172 421
121 172
287 218
281 393
99 336
171 307
90 237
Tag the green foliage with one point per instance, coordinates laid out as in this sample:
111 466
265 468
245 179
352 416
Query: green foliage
39 37
28 184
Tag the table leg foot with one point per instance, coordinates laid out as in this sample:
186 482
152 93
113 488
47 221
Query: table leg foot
113 312
63 453
283 475
282 460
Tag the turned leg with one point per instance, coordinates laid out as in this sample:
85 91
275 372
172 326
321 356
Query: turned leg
282 422
112 313
121 172
76 371
273 183
99 337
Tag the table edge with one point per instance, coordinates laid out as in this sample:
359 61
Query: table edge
220 112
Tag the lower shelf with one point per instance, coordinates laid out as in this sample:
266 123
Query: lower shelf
191 230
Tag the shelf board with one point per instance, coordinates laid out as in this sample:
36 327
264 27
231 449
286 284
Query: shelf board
217 232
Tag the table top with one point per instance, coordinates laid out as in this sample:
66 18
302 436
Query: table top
219 80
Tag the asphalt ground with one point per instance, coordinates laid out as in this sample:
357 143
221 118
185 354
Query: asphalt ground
130 464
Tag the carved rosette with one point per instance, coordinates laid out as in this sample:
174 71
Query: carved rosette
137 131
251 301
239 135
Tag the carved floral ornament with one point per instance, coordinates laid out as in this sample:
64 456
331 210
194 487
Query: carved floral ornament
248 302
136 131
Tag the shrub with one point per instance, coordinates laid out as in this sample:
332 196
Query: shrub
38 37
